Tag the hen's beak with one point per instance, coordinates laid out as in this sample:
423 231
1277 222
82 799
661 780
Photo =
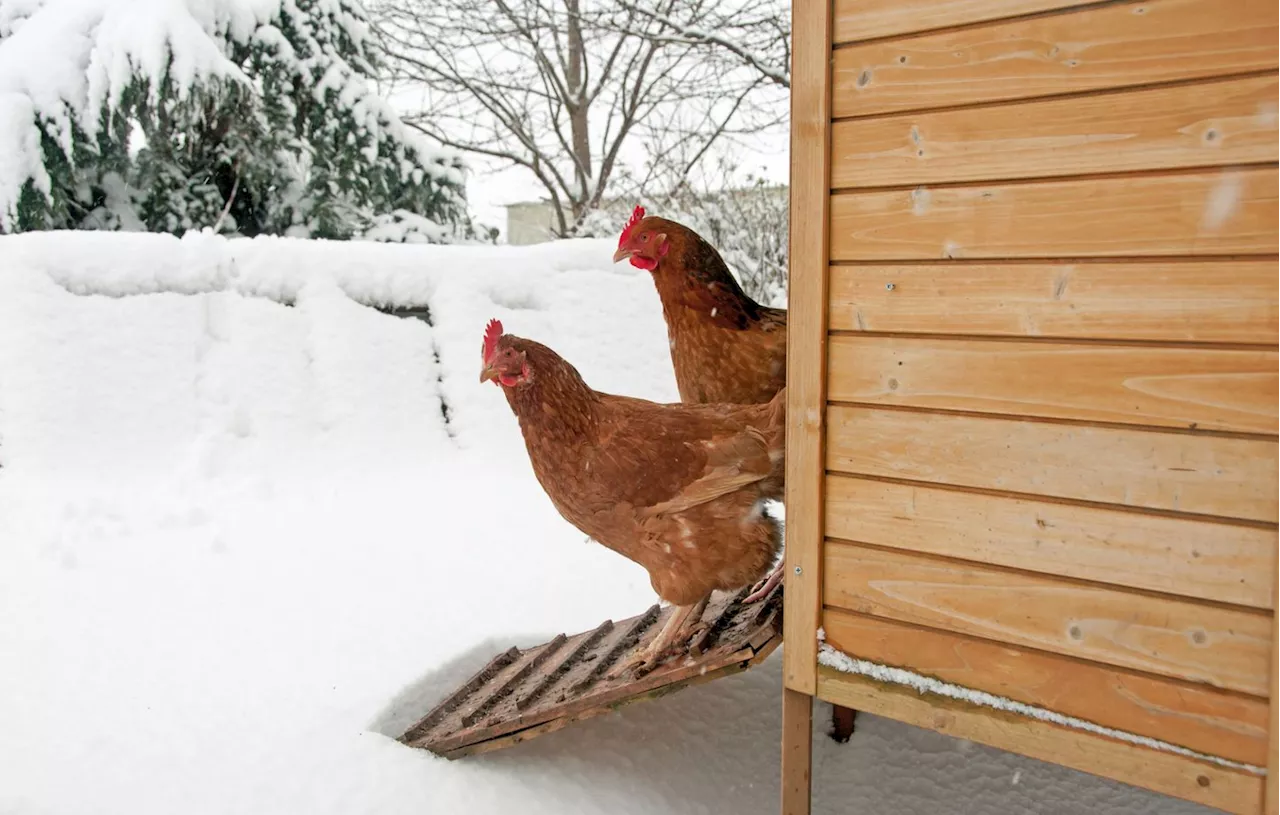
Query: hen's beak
622 254
487 373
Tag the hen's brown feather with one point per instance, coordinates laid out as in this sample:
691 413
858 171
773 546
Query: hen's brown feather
678 489
725 347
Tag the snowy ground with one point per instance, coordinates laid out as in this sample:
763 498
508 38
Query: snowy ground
241 547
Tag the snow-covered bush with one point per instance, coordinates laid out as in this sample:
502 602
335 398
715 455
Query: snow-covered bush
248 116
747 224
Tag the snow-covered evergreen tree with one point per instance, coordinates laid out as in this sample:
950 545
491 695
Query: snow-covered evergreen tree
249 116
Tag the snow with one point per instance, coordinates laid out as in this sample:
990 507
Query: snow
841 661
241 547
67 66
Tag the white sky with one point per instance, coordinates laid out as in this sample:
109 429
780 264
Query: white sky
492 185
490 189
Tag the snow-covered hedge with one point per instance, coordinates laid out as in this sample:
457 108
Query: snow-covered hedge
250 116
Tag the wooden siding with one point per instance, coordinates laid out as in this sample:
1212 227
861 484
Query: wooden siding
1224 647
1228 789
1051 373
1119 45
872 19
1203 124
1208 560
1198 474
1193 716
1169 300
1164 386
1212 212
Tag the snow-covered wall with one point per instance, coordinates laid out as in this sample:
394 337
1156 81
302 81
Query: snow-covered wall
251 527
276 347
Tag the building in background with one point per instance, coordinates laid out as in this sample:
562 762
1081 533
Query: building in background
534 221
530 222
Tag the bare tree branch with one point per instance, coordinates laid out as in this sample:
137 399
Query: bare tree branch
577 93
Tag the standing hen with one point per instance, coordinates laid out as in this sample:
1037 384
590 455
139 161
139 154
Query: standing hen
725 346
678 489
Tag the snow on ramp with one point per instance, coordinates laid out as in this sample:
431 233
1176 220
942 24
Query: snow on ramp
249 525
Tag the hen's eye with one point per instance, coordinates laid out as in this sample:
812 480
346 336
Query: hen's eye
644 238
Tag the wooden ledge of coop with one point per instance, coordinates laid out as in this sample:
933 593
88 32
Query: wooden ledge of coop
520 695
1225 788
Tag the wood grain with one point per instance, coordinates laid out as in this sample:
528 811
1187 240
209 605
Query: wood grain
1191 716
1199 125
1209 561
797 751
1219 212
1270 804
806 337
1112 46
1197 301
1225 648
1209 475
868 19
1160 386
1234 791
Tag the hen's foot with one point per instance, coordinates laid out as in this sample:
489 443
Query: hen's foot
761 590
683 624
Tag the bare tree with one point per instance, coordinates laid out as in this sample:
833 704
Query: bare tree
744 216
564 87
755 34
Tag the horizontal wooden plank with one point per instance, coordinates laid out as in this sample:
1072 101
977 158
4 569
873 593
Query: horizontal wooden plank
1111 46
1205 560
1198 125
1231 790
869 19
1197 301
1216 212
1162 386
1210 475
1225 648
1192 716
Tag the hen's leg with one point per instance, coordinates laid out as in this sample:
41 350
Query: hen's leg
762 589
693 624
681 623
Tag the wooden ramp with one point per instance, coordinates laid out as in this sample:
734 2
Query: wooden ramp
520 695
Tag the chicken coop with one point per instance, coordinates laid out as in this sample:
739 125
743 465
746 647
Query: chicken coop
1032 383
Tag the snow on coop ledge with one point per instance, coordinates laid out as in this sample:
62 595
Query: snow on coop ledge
840 661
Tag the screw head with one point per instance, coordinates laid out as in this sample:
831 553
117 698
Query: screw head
888 287
797 570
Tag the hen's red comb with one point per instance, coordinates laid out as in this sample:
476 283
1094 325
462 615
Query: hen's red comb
636 215
491 334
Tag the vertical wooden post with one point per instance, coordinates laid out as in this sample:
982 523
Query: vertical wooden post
806 387
1271 804
807 337
797 751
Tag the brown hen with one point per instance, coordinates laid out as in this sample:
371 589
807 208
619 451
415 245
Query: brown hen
725 346
679 489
